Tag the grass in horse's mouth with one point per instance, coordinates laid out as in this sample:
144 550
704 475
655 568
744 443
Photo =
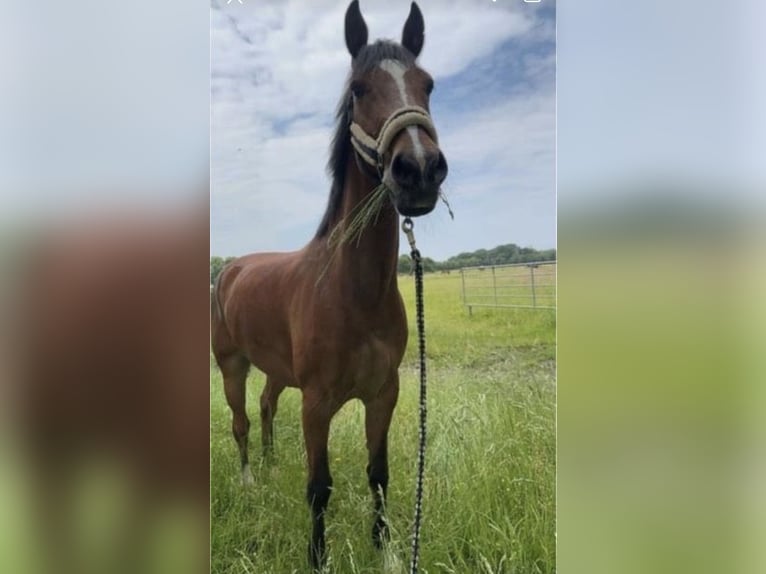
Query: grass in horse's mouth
366 212
445 202
353 225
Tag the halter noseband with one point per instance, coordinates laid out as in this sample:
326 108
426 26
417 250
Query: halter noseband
372 150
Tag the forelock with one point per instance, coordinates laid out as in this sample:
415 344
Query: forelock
373 54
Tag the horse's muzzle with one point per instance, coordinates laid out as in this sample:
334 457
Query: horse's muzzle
415 185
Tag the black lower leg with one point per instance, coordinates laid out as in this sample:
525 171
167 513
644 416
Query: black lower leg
318 495
267 429
240 429
377 474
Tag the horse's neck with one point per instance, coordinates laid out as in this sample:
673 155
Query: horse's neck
370 263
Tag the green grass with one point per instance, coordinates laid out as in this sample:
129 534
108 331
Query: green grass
489 503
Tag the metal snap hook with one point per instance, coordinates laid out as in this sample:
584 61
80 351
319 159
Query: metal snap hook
407 226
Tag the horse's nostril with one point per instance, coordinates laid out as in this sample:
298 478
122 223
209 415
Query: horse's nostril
405 170
436 169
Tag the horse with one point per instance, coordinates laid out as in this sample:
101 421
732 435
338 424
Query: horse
329 319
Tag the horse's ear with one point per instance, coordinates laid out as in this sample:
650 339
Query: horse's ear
356 29
412 35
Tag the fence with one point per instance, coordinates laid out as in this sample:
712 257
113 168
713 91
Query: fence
520 285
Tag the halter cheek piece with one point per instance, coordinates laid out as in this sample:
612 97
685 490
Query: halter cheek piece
372 150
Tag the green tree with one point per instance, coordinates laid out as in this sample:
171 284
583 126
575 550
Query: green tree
216 265
429 265
404 266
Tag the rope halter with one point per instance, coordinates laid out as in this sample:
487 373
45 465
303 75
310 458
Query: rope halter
372 150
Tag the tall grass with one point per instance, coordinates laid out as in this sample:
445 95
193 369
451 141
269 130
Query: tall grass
489 503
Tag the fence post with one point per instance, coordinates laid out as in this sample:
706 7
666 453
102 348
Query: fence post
532 282
494 284
462 279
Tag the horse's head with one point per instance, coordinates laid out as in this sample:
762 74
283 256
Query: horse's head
391 128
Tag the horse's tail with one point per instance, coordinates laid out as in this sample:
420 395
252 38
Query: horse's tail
215 299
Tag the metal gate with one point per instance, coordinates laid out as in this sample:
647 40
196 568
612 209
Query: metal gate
518 285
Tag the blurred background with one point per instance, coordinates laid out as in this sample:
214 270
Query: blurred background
104 111
661 180
104 292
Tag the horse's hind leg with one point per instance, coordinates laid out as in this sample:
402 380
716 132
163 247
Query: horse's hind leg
234 369
269 400
377 422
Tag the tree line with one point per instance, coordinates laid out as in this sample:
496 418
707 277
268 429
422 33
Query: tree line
216 264
500 255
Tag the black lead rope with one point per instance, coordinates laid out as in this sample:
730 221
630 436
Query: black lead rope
407 226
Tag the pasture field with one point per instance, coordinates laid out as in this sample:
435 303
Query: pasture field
489 503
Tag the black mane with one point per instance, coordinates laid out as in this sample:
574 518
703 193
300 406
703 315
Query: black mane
367 58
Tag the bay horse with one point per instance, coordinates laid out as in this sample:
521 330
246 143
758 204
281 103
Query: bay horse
329 320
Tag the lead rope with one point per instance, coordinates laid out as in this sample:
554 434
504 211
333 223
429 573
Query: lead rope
407 227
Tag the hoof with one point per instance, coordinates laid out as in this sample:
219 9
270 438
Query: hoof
380 533
268 456
247 476
317 556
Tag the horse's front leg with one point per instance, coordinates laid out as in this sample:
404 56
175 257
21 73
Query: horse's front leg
317 412
378 414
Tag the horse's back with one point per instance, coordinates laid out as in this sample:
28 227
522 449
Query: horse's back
255 280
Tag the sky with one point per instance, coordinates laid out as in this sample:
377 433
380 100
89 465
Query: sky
103 99
278 69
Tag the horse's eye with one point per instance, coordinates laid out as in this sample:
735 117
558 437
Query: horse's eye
429 86
358 88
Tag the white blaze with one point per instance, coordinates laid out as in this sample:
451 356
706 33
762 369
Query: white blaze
397 70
